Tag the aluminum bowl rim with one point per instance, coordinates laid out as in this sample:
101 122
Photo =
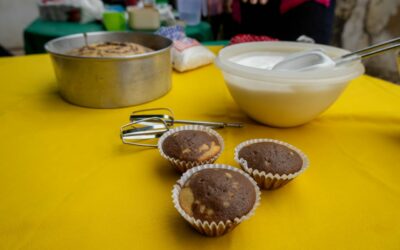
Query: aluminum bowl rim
48 48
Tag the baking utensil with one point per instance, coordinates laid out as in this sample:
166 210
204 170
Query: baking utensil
142 132
317 58
86 39
168 116
151 123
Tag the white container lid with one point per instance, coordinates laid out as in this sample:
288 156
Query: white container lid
254 61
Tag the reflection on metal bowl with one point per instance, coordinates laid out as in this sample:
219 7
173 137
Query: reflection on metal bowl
112 82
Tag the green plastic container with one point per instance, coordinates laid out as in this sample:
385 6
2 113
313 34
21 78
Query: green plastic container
114 21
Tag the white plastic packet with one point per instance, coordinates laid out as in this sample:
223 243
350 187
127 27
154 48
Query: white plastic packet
91 10
187 53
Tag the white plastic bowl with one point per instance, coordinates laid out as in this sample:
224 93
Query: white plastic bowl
277 98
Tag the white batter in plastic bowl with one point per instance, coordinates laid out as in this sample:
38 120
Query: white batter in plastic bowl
277 98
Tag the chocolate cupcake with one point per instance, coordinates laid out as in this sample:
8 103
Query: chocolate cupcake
189 146
215 198
270 162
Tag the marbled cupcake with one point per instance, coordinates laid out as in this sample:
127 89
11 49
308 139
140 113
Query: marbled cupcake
271 163
215 198
189 146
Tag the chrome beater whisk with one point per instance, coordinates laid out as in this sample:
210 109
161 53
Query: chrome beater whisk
145 126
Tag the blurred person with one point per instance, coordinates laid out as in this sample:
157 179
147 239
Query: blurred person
220 18
286 19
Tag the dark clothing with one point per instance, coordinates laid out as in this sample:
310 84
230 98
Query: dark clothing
311 19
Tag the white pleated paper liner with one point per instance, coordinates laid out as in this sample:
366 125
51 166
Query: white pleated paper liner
266 180
215 228
181 165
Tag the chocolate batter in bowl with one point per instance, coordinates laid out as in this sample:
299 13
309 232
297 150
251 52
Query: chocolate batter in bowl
110 49
111 69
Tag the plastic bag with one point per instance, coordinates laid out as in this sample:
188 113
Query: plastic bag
82 11
91 10
187 53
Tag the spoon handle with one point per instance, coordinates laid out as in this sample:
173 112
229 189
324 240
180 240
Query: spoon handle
366 54
86 39
379 51
373 47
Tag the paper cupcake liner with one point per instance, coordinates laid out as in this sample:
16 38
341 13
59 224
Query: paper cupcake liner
268 180
181 165
212 229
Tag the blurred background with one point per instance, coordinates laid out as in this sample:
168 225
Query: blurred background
25 25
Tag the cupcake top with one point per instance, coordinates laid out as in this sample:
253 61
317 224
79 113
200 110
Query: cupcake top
217 195
271 157
191 145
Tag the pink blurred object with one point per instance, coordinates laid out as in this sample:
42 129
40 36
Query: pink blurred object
131 2
235 6
51 1
215 7
245 38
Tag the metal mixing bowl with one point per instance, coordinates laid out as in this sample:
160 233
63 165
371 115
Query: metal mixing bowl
112 82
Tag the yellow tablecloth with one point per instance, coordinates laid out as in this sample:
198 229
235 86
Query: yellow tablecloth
67 181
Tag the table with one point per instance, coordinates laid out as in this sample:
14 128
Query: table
67 181
39 32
